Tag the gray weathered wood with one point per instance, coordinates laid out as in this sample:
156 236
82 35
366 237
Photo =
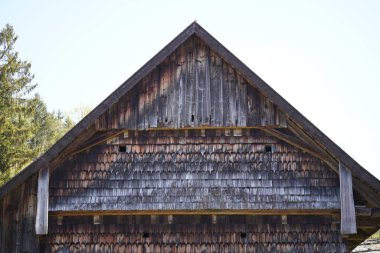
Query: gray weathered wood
42 202
347 218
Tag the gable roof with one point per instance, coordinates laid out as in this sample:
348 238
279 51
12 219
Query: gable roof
362 178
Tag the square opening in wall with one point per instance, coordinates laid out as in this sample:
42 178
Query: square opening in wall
122 149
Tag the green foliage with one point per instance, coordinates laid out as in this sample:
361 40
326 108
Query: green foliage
79 112
376 235
50 127
27 129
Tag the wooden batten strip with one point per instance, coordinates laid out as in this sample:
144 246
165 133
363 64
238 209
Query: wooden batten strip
328 212
347 210
42 202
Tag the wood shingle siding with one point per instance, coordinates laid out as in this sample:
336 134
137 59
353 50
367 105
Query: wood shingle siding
198 234
157 172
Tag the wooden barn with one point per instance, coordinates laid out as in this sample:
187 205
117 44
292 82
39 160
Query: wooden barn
193 153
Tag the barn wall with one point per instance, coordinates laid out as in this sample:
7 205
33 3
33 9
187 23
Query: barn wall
198 234
18 212
165 170
193 87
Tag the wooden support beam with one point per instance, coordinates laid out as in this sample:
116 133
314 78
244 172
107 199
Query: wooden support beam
42 202
375 212
328 212
367 222
304 136
363 211
299 144
347 207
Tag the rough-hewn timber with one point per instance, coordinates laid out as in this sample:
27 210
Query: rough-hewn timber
42 202
348 218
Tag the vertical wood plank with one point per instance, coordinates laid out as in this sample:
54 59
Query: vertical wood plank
156 80
233 96
148 101
216 90
128 112
150 91
121 111
42 202
213 89
197 112
226 95
207 87
347 210
164 94
188 85
142 96
174 91
134 106
242 117
191 85
170 91
182 82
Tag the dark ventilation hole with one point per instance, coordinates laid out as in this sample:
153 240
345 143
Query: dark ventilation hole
145 235
268 148
243 235
192 118
122 149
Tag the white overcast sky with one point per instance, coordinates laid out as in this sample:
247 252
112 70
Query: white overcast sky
322 56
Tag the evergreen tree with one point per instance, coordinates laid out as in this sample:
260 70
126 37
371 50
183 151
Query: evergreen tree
27 129
16 108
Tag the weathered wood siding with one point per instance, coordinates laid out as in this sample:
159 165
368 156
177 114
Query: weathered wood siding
18 213
191 88
165 170
196 234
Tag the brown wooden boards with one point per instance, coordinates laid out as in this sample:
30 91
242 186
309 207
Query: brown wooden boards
42 202
347 219
197 88
17 220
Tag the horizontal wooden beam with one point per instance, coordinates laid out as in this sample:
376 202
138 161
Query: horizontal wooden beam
367 211
367 222
361 211
334 212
